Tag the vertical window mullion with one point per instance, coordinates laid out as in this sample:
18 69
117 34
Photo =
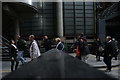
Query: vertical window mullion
84 18
74 18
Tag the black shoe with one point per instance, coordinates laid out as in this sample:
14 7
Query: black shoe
107 70
115 59
12 70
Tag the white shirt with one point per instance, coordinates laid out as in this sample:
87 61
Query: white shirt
34 50
14 46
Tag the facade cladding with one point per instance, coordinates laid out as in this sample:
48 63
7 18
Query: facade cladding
78 17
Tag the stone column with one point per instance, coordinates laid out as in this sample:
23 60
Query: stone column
17 29
102 29
0 18
59 10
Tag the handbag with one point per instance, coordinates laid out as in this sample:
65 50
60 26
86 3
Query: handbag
77 51
101 49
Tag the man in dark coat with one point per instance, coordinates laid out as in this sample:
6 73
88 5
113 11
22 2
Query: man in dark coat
21 45
108 53
97 45
83 48
47 43
60 45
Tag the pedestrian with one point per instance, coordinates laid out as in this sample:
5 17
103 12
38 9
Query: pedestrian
21 45
108 53
34 49
83 36
98 49
60 45
76 40
77 46
46 43
84 50
13 51
116 49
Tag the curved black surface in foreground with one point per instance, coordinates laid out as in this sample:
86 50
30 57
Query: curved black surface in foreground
57 65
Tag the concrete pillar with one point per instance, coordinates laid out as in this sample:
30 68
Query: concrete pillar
0 40
59 10
17 29
0 18
102 29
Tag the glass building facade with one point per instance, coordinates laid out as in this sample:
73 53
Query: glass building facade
43 23
78 17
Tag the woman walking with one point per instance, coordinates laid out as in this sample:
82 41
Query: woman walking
13 55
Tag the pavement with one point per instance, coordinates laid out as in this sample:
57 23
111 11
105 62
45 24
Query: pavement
91 60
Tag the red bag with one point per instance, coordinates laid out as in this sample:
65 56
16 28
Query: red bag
77 51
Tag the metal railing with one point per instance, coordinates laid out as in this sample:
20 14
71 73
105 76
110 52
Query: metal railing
110 10
4 47
4 41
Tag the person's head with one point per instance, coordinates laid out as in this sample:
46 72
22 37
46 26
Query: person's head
81 39
113 39
18 36
12 42
78 36
108 38
58 40
82 34
45 37
31 37
98 39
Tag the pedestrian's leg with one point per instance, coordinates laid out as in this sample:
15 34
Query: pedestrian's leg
105 61
115 55
12 65
22 60
109 63
17 62
96 56
86 57
79 57
99 56
21 57
16 66
19 54
83 58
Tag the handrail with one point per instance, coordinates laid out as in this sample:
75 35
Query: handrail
7 44
4 41
4 38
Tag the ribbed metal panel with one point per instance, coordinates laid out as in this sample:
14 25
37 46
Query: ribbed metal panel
78 18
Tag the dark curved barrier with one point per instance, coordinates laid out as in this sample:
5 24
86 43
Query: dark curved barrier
55 64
